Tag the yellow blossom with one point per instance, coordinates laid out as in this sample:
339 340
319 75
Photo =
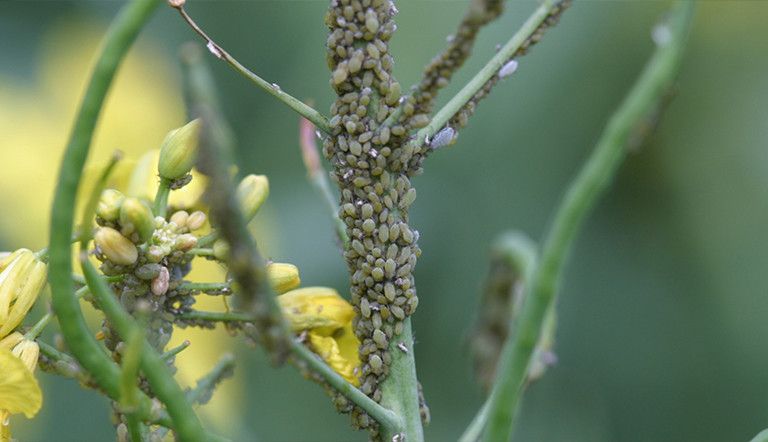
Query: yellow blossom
19 391
21 281
327 319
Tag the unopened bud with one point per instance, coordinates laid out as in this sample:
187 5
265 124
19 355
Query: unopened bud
252 192
196 220
185 242
179 218
283 277
155 253
117 248
221 250
108 207
136 220
179 151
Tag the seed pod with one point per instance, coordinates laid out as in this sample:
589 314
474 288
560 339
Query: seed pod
179 151
115 247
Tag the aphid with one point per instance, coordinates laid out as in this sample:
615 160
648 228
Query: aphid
445 137
402 347
276 86
508 69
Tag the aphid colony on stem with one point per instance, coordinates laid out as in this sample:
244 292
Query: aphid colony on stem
372 167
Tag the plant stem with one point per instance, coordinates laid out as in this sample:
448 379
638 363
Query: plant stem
590 183
273 89
387 418
206 384
160 207
403 398
185 421
217 316
89 353
490 69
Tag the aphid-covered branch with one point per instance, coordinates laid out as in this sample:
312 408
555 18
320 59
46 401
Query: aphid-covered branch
456 112
438 72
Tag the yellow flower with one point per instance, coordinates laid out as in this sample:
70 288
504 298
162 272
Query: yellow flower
327 319
21 281
19 391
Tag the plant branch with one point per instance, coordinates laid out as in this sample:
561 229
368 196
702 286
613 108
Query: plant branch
88 352
185 421
302 109
319 178
387 418
594 177
461 105
206 384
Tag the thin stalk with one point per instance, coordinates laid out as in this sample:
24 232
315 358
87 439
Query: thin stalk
185 421
273 89
206 384
592 180
89 353
217 316
160 207
490 69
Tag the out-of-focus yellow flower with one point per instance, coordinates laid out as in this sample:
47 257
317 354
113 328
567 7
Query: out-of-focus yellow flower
21 281
327 319
19 391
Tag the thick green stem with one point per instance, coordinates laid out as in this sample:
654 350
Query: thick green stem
402 397
89 353
592 180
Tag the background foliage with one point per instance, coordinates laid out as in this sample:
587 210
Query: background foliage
662 324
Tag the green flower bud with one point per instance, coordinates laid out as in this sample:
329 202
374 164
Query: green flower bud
221 250
117 248
136 220
179 151
252 192
109 204
283 277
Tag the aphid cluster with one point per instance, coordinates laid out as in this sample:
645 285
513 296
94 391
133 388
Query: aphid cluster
462 117
372 165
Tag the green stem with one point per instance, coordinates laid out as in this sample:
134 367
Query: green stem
387 418
273 89
174 351
206 384
204 286
592 180
399 394
89 353
160 207
217 316
489 70
185 421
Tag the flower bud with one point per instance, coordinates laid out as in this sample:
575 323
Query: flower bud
136 220
251 193
117 248
283 277
196 220
109 204
185 242
179 151
21 281
179 218
221 250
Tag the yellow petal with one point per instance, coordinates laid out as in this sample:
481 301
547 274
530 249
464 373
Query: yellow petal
316 308
19 391
328 348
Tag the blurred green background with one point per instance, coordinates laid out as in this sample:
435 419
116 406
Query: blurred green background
662 329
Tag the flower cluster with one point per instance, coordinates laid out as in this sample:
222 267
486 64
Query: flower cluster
22 278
